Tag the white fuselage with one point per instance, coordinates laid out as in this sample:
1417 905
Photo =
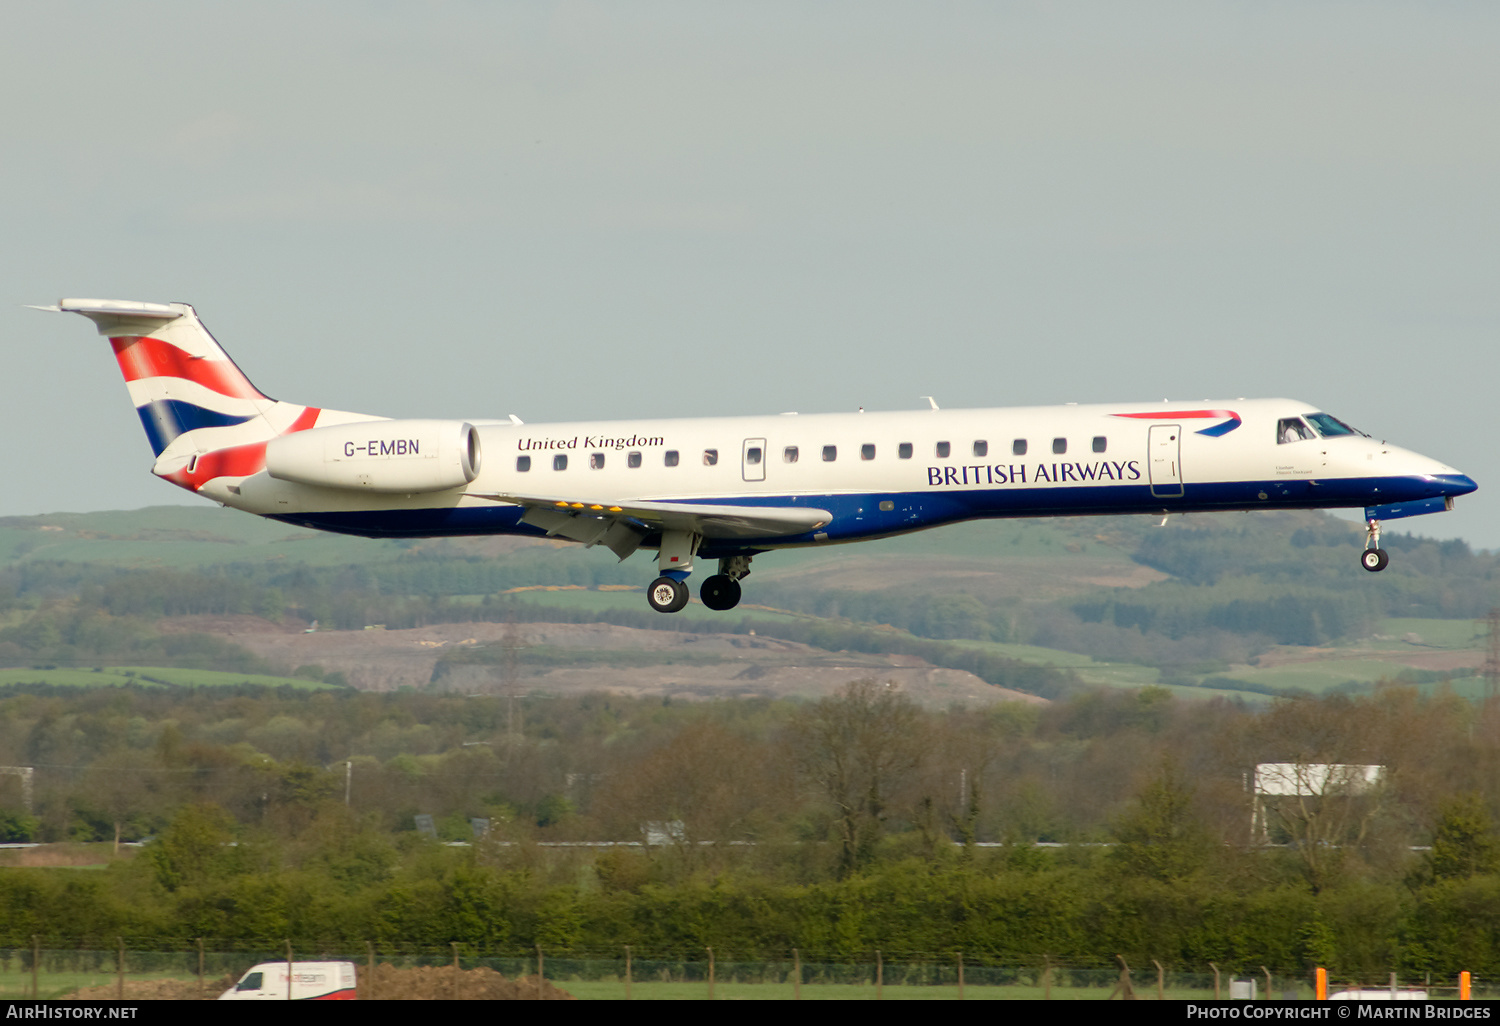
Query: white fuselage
928 466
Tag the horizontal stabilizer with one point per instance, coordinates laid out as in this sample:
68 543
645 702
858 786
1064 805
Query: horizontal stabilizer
119 317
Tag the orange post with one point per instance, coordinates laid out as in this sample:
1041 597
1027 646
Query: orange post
1464 979
1320 985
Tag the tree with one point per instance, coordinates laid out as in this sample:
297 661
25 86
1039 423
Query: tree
121 787
854 748
1162 836
192 850
1464 843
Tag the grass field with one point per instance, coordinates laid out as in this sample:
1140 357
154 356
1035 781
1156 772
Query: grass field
614 990
150 677
178 536
15 983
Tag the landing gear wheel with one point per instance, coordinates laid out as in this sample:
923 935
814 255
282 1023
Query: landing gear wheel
720 592
1374 559
667 595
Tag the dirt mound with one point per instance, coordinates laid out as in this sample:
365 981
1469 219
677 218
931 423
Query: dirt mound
445 983
156 990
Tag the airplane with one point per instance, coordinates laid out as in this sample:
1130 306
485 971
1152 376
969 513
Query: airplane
732 488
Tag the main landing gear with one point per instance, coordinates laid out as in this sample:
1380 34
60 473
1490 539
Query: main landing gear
1374 558
669 592
722 590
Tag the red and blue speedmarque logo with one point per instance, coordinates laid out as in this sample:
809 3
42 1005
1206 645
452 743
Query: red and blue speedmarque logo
1230 418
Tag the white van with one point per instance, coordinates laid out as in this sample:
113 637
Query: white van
311 981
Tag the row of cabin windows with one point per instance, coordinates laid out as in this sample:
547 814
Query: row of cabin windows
753 455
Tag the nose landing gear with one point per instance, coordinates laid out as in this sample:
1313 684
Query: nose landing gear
1374 558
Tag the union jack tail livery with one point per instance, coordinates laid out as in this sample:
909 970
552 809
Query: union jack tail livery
203 417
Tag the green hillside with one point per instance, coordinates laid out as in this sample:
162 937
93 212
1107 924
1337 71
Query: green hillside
1256 604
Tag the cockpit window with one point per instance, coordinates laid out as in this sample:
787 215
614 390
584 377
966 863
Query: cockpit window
1330 427
1291 429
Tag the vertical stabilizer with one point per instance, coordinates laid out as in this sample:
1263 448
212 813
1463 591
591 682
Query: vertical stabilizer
202 416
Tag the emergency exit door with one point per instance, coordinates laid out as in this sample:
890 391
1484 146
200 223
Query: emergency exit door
753 459
1165 445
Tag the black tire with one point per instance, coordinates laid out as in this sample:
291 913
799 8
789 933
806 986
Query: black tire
667 595
720 592
1374 560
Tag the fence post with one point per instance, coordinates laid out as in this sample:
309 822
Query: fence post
1216 980
370 976
710 973
1160 981
796 976
36 956
288 970
539 972
120 970
1047 977
960 975
454 946
627 972
1268 981
879 974
1464 985
1320 984
200 967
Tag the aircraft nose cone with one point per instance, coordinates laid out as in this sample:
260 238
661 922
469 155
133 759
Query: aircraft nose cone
1456 484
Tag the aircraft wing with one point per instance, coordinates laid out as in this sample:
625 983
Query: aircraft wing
622 525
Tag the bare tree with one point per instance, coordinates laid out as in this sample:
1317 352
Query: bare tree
854 748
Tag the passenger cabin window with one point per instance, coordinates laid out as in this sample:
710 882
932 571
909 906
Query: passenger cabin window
633 460
251 982
867 452
1291 429
943 448
596 461
1100 443
671 458
710 457
523 463
830 453
789 454
903 451
981 448
752 455
1059 445
1018 447
560 461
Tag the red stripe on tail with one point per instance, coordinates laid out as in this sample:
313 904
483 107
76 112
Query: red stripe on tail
144 357
235 461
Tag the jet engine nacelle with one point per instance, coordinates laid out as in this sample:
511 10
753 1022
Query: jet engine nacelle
379 456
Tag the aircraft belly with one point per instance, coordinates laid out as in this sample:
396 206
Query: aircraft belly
858 516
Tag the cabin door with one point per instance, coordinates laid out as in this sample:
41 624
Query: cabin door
753 460
1166 467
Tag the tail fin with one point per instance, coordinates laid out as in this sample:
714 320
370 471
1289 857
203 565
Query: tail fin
203 417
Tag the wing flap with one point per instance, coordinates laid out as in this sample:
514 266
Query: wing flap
581 521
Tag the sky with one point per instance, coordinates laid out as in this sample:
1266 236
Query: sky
576 210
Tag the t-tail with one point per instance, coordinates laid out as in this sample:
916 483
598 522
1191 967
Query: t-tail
203 417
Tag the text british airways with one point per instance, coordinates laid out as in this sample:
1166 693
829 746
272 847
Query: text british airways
1036 473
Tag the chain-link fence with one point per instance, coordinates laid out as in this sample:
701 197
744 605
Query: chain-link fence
202 972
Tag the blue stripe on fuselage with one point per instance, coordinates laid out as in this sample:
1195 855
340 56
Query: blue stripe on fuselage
860 516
